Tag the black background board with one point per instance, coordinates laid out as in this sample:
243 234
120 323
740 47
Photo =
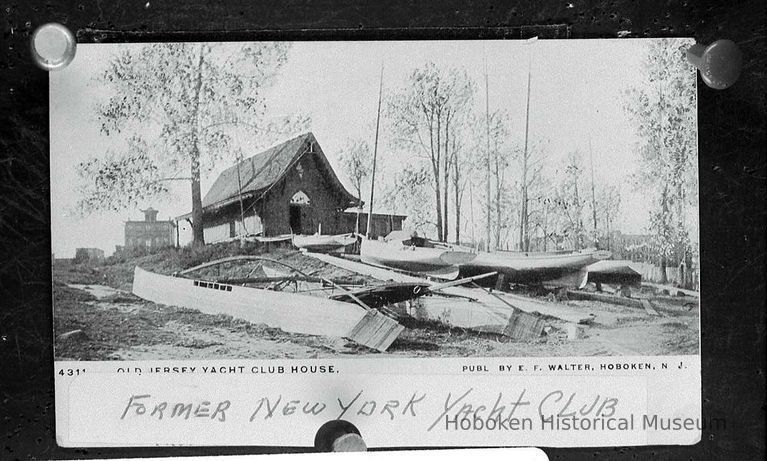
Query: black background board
732 181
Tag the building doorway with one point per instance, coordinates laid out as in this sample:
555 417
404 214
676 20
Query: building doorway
299 217
294 219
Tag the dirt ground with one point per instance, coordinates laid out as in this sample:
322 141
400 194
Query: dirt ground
116 325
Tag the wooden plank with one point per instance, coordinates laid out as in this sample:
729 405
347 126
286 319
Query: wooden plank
375 330
552 309
523 326
290 312
623 301
648 307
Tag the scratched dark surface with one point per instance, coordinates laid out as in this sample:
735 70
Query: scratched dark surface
732 178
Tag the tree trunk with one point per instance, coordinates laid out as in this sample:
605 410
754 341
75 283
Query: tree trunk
437 188
198 234
457 192
357 224
578 221
445 205
663 279
438 195
498 187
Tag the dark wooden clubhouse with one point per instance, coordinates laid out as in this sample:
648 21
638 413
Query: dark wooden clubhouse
288 188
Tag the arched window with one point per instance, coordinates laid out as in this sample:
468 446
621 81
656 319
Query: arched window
299 198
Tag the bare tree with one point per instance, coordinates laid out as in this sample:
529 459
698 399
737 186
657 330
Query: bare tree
571 201
422 112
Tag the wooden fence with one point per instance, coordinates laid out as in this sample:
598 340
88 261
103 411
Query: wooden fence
686 278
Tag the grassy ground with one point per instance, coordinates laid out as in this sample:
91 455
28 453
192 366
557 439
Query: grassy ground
121 326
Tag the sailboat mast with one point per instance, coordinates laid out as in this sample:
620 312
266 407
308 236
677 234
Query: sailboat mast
239 192
524 238
593 194
375 155
487 163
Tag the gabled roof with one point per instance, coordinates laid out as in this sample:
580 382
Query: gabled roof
260 172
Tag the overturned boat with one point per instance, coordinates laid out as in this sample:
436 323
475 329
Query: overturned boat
324 243
411 253
291 312
532 267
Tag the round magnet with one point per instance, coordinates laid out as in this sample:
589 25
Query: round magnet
338 435
53 46
349 442
719 63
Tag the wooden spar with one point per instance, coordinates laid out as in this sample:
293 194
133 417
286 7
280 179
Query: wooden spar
239 194
290 278
524 236
593 193
236 258
290 312
348 293
375 155
494 295
442 286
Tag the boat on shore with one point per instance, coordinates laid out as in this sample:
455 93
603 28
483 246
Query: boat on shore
532 267
324 243
412 253
290 312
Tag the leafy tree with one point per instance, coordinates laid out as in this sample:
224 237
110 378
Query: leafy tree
179 105
409 192
663 111
356 161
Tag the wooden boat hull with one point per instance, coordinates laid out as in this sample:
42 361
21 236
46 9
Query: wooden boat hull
290 312
323 243
519 267
395 255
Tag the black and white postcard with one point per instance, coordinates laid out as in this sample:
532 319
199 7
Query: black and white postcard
444 243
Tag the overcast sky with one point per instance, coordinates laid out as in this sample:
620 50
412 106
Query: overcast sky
575 99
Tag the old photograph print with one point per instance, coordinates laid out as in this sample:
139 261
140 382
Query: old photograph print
268 200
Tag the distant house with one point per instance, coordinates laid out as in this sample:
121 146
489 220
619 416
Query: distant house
149 234
383 223
88 255
288 188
